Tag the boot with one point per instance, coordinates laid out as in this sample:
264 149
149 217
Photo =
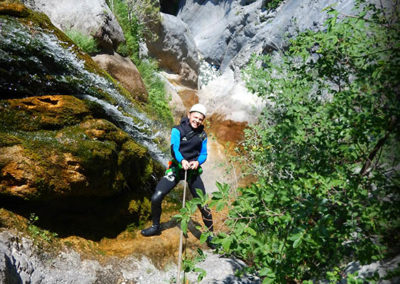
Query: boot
151 231
209 243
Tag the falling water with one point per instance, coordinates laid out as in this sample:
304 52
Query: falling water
38 63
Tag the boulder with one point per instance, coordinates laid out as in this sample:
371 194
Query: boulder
90 17
123 70
175 49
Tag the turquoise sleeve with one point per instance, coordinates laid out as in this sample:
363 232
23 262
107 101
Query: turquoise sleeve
203 153
175 143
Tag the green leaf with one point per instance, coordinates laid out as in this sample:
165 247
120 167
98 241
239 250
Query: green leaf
297 242
251 231
184 226
203 238
220 206
226 244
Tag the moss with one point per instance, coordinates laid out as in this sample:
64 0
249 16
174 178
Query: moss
141 209
135 149
7 139
46 112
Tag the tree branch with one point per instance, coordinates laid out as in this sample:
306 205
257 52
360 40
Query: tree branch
378 146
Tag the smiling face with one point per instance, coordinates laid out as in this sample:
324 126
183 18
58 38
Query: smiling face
195 119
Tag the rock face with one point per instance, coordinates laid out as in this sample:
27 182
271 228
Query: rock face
227 33
175 49
22 261
90 17
123 70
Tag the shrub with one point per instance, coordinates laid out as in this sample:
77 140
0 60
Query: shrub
134 17
158 100
85 42
327 192
323 151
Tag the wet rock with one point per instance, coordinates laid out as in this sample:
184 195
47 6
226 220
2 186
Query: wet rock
66 158
175 49
123 70
90 17
64 123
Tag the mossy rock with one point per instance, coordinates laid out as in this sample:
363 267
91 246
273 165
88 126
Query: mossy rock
51 146
13 8
44 112
56 144
37 58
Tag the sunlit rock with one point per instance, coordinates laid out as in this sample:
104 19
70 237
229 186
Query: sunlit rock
175 49
90 17
51 146
123 70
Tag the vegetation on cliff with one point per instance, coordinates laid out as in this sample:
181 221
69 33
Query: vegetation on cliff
136 19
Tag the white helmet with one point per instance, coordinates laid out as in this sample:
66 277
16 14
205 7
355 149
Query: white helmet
199 108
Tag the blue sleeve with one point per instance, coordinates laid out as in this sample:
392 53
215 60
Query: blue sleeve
175 143
203 153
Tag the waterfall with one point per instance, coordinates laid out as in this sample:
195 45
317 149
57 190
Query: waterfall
141 132
40 55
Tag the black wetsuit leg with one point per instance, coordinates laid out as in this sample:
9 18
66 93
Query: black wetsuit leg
196 182
164 186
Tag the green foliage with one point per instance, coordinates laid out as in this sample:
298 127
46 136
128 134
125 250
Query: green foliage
158 100
327 191
85 42
130 27
189 264
273 4
36 232
135 18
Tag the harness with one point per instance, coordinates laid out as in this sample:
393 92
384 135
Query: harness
175 169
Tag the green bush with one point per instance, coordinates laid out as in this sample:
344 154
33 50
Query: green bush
327 191
85 42
132 18
273 4
323 151
131 29
158 100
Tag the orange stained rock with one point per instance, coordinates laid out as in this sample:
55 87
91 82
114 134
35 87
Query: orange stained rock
15 176
53 103
13 9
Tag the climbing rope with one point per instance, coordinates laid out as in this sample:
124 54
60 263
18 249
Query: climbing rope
178 278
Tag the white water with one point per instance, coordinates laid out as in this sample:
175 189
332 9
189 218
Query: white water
140 131
230 98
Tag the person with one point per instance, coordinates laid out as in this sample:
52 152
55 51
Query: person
189 152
